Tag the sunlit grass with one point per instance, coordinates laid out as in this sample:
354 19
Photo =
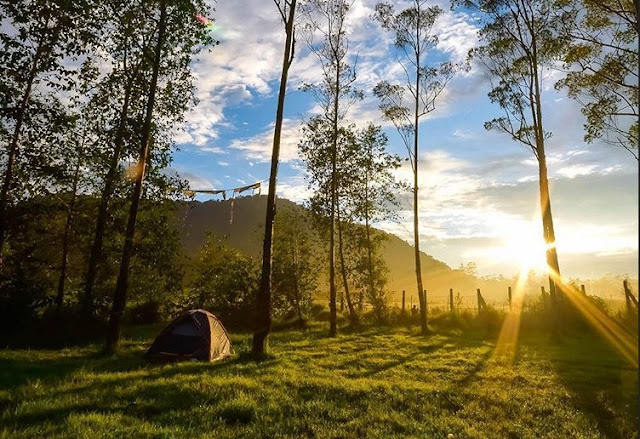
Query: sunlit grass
507 343
623 341
377 383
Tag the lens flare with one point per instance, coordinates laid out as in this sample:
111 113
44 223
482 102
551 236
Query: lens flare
208 23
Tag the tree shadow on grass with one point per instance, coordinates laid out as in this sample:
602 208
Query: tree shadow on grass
401 361
151 396
603 385
473 372
16 372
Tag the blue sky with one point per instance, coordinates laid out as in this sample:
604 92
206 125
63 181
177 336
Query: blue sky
478 189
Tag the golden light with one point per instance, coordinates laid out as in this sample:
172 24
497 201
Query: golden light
626 344
526 247
521 246
133 171
507 343
623 342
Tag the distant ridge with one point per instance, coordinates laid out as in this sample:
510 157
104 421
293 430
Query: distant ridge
246 230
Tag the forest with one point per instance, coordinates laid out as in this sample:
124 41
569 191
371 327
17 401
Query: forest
102 242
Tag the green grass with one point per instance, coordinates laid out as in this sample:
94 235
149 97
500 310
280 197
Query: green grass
370 384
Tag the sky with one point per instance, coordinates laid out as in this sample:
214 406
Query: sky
478 189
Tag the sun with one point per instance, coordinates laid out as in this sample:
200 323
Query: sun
525 248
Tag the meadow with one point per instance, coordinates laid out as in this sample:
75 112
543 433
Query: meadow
370 383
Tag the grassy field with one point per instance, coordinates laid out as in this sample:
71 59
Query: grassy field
369 384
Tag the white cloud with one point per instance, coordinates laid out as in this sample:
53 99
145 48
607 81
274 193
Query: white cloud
463 134
456 34
576 152
197 182
573 171
294 189
237 70
212 150
259 147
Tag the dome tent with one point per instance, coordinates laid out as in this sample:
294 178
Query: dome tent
196 334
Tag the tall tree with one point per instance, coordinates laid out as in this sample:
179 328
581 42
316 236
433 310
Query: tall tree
120 295
287 9
335 93
603 62
116 106
416 39
179 36
374 200
37 38
519 40
315 147
71 211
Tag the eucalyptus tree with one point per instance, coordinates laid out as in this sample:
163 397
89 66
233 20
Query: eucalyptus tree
118 103
331 181
518 41
602 59
38 38
287 10
125 42
177 38
334 93
374 199
415 40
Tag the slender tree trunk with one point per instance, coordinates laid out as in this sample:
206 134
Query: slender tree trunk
367 227
120 296
416 230
15 137
548 230
263 299
296 285
65 238
103 211
549 238
333 327
353 316
372 288
545 198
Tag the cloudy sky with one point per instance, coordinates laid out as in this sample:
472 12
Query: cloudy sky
479 191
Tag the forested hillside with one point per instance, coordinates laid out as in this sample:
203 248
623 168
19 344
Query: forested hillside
245 234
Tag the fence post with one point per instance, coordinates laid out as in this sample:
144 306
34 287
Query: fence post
403 309
509 297
451 300
481 303
630 299
582 290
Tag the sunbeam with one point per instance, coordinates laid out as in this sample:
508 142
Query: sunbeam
626 344
506 345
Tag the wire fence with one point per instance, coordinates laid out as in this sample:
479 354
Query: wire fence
470 302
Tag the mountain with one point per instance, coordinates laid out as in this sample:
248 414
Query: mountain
242 222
